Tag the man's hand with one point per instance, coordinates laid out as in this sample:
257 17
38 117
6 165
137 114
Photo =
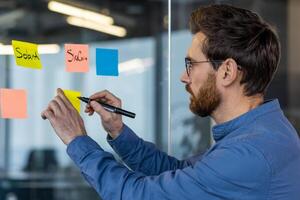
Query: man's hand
111 122
64 118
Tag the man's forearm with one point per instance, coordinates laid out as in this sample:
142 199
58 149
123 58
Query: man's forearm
143 156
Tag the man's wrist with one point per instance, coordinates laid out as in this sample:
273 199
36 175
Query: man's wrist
80 147
71 138
114 134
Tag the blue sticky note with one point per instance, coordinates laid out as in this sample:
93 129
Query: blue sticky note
107 62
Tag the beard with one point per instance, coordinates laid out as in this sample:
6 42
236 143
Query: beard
207 99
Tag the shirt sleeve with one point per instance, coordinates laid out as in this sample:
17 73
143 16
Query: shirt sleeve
222 174
143 156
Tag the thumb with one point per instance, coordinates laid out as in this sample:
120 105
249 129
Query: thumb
99 109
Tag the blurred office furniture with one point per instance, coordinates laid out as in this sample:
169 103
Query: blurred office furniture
43 179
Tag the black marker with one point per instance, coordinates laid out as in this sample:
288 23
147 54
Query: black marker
109 108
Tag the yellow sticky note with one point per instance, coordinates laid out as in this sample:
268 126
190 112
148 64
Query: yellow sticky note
26 54
72 96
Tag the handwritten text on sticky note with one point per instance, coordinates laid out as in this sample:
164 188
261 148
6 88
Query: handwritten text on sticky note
77 57
26 54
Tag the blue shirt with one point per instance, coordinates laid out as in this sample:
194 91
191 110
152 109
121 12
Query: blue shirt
256 156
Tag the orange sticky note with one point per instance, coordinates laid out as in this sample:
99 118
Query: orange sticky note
26 54
13 103
77 57
72 96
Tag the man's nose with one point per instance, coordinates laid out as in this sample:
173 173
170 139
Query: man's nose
185 78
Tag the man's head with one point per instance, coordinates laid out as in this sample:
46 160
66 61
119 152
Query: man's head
242 51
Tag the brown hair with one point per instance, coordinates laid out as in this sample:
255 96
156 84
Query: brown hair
243 36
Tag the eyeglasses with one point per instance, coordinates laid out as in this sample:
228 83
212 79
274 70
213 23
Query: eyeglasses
189 63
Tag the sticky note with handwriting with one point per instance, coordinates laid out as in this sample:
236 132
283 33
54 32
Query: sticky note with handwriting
26 54
13 103
77 57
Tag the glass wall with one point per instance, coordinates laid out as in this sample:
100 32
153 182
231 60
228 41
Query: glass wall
33 161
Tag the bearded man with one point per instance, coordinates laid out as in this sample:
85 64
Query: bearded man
232 59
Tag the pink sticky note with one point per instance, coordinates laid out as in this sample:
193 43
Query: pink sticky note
13 103
77 57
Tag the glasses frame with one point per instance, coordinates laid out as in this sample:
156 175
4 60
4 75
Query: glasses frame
189 63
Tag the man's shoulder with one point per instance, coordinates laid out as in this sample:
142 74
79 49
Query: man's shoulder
278 147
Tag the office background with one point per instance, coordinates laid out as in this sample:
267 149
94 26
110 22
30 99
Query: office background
33 161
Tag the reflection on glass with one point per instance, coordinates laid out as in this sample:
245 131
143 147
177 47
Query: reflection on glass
33 161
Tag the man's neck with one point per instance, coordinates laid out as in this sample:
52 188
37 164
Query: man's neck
235 106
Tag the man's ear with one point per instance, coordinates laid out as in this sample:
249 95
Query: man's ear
228 72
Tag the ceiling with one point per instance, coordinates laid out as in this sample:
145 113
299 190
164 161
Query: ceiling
32 20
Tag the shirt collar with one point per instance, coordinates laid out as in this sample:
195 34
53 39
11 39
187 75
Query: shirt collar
221 130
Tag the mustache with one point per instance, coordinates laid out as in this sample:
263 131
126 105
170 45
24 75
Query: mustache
189 90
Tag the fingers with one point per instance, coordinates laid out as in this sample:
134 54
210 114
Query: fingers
43 115
60 91
105 115
63 97
89 110
48 114
55 107
58 106
107 97
61 103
